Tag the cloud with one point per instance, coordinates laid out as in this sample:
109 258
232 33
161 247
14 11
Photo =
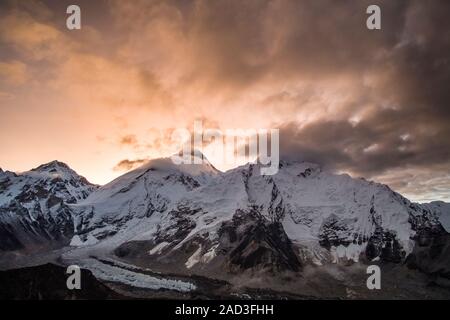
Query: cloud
13 73
129 140
31 38
6 95
422 184
368 148
127 165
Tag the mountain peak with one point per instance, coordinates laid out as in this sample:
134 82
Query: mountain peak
52 165
58 169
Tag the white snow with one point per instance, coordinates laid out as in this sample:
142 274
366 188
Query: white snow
198 258
194 259
107 272
210 254
350 252
159 247
77 242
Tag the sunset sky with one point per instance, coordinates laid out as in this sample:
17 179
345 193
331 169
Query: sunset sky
107 97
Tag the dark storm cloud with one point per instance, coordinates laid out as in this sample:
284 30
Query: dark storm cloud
367 149
413 126
234 44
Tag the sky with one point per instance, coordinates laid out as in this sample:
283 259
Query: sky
106 98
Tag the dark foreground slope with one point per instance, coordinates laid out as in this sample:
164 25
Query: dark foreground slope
48 282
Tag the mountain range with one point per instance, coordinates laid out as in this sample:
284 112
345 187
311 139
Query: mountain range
192 220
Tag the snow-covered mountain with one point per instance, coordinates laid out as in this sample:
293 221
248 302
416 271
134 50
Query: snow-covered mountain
34 205
197 219
441 210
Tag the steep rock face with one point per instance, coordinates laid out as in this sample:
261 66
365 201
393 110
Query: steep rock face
432 252
251 242
34 207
